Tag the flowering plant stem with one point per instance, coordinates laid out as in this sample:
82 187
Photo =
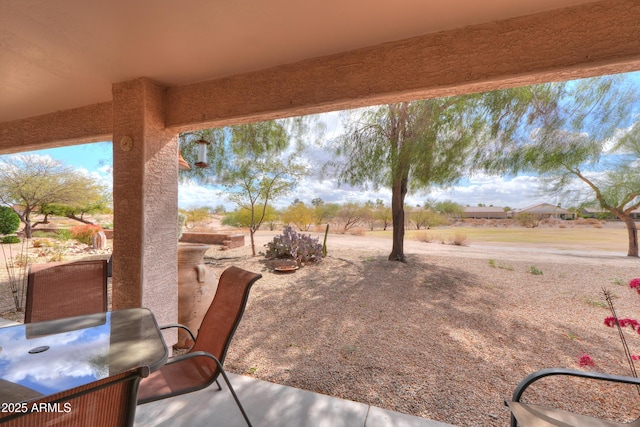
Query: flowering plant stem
627 352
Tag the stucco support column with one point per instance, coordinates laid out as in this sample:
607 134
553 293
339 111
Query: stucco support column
145 199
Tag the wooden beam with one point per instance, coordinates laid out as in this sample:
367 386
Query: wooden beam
92 123
591 39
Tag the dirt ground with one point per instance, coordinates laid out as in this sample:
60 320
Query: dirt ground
446 336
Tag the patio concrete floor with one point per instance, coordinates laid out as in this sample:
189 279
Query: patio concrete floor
268 405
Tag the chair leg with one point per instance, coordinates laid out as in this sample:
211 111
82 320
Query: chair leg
233 393
218 384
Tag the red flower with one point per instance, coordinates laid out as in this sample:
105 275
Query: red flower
629 322
610 321
585 361
635 284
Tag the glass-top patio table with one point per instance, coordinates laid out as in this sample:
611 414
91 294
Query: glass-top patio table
43 358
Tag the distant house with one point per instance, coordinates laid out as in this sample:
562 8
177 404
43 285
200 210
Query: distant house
548 211
486 212
593 212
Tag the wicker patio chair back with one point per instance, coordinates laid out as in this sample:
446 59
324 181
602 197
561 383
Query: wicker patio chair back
107 402
57 290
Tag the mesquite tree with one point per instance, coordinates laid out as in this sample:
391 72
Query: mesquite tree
420 144
585 143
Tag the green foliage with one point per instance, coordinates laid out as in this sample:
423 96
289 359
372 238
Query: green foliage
242 216
10 239
325 212
40 183
351 214
586 144
292 245
535 270
493 263
63 235
420 144
194 216
84 233
250 161
299 214
9 220
426 218
449 208
43 234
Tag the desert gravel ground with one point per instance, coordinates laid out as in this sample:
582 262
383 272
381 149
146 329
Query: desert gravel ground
446 336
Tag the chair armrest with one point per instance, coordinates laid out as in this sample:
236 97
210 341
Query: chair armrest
178 325
533 377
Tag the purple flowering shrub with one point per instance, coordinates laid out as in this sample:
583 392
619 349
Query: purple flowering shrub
292 245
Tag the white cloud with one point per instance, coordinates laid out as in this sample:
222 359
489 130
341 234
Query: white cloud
192 195
517 192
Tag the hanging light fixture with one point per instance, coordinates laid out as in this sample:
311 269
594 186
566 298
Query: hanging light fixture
203 144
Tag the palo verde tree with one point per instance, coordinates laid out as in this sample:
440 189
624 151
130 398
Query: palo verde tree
252 162
586 146
32 183
421 144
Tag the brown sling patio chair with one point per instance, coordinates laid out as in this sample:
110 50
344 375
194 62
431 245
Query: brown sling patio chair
200 367
530 415
57 290
109 402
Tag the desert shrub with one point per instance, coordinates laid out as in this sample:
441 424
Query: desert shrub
459 239
423 236
41 243
357 231
84 233
535 270
56 253
9 220
10 239
22 260
528 220
293 245
63 235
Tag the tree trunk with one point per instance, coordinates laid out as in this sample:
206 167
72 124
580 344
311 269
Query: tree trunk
28 231
398 192
253 244
632 231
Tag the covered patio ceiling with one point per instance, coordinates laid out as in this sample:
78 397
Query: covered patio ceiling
67 54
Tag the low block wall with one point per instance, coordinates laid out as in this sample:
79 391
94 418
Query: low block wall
228 241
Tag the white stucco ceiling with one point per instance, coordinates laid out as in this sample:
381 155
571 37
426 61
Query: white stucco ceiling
56 55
